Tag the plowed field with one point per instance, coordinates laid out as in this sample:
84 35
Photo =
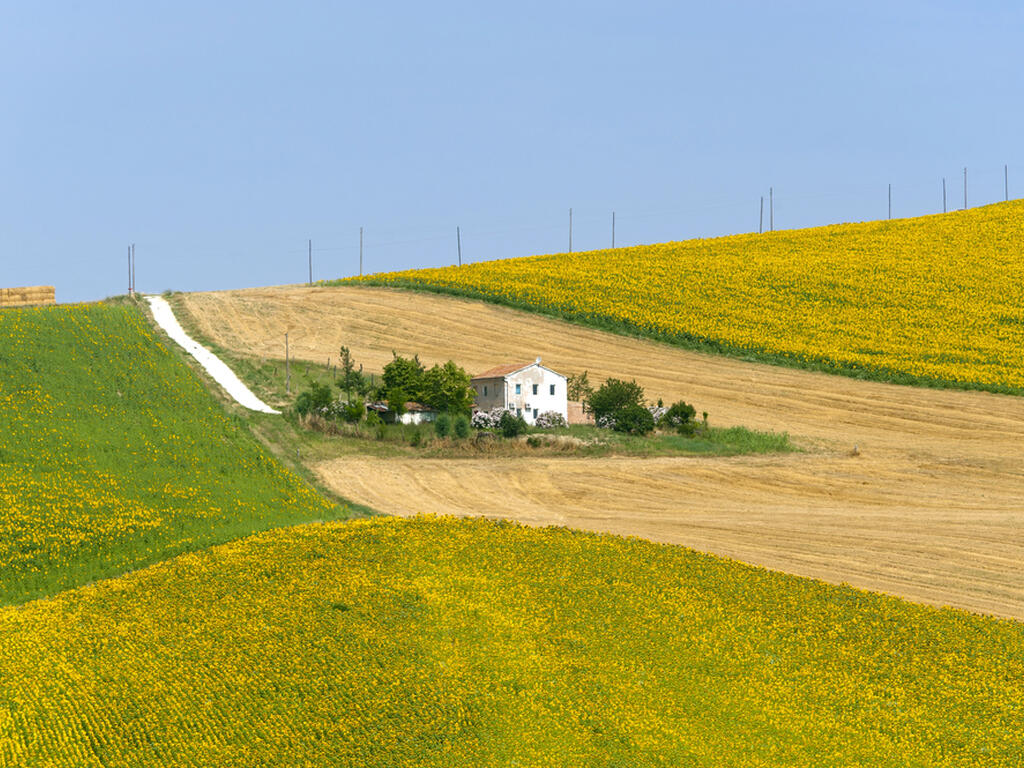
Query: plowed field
931 507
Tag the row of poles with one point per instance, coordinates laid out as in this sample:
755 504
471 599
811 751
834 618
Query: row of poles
458 230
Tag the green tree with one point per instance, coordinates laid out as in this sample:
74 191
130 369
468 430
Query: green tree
405 374
351 379
446 388
578 387
397 398
316 398
614 395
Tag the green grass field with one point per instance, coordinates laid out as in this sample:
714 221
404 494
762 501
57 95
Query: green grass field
113 454
441 642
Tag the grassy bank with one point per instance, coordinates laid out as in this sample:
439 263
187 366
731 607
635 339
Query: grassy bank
113 455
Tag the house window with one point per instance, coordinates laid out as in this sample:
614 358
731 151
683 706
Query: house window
519 389
519 411
552 389
535 389
535 413
485 390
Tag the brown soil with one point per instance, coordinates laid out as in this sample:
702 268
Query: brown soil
931 507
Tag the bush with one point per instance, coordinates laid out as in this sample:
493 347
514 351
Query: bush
550 420
314 400
613 396
679 416
443 425
416 437
512 425
460 426
487 419
353 411
634 419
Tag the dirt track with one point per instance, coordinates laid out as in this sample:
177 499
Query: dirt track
932 509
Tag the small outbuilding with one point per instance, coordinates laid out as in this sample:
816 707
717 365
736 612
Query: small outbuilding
527 389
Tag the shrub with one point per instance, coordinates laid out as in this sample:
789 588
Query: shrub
512 425
613 396
679 416
416 437
634 419
443 425
353 411
460 426
550 420
314 400
487 419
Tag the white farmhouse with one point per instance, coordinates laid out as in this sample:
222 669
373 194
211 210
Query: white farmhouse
527 389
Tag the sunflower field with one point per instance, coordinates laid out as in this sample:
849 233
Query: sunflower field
441 642
929 300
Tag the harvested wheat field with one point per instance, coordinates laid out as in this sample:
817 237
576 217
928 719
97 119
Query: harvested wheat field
931 508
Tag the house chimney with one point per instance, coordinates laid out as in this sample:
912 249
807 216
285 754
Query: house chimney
538 359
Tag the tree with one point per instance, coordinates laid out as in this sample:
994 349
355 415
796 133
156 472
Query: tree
405 374
613 396
446 388
397 398
314 399
578 387
350 377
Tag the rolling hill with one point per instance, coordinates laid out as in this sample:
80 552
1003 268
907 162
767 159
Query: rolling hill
930 300
438 642
114 455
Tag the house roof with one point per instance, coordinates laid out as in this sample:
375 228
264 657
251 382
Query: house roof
501 371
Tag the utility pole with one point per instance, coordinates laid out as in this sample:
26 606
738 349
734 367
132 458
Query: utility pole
133 269
310 262
287 367
613 229
360 251
890 201
458 239
943 194
760 221
965 188
771 209
570 230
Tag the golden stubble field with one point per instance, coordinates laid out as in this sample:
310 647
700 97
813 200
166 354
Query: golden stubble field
931 508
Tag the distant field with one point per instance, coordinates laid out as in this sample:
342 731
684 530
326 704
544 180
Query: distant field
434 642
114 455
936 299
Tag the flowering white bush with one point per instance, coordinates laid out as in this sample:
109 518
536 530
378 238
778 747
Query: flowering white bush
550 419
487 419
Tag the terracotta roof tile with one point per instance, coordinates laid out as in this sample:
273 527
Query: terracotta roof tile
501 371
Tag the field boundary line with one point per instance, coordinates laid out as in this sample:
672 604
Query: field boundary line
217 368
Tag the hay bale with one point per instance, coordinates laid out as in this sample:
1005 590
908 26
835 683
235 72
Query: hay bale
27 296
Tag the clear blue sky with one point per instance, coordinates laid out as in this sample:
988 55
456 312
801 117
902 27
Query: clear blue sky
219 137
